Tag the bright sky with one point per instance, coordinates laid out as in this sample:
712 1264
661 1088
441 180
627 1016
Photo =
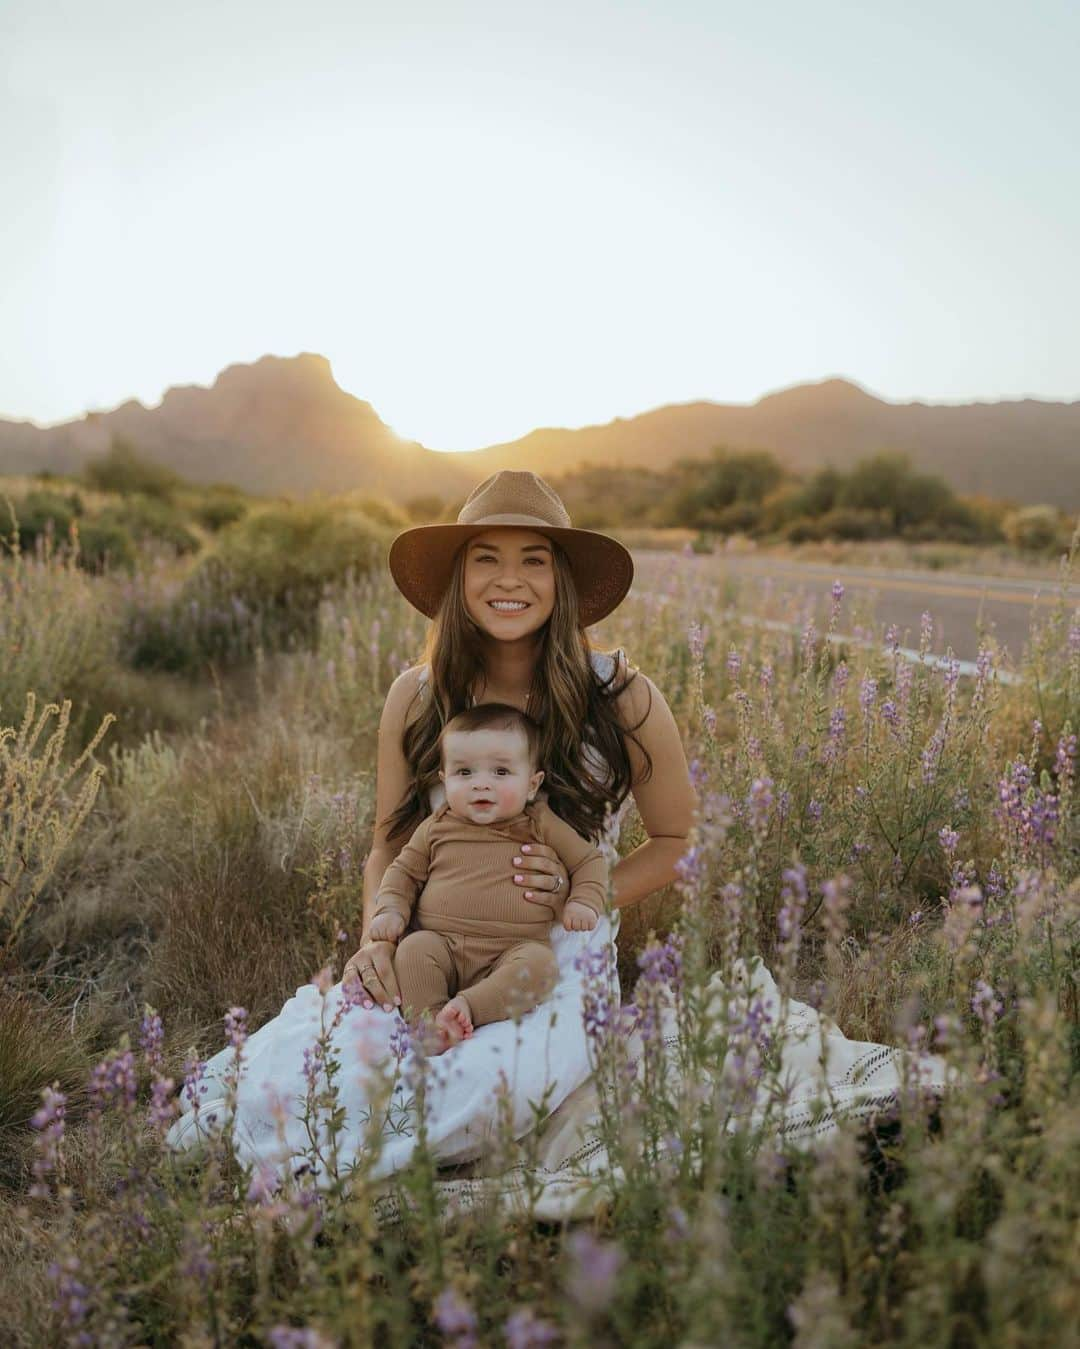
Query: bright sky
493 216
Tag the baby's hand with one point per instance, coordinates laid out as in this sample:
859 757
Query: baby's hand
386 927
578 917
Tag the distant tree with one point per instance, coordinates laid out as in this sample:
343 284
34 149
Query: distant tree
125 471
709 487
888 483
423 509
1036 529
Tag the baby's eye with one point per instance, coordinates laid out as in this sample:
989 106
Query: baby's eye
502 770
463 770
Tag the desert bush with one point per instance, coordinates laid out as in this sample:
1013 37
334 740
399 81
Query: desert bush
1035 529
278 561
46 513
149 519
57 629
105 546
123 470
216 507
42 804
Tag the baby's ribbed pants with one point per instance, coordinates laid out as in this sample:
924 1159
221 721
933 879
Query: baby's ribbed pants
498 979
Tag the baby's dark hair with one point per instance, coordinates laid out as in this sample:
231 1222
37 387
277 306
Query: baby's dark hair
496 717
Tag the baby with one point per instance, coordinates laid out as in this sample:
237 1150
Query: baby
480 951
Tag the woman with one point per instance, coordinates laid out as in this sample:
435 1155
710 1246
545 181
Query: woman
511 589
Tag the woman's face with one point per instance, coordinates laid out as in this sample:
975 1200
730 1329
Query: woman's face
509 582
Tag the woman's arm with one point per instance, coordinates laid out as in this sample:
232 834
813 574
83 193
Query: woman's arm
373 961
665 801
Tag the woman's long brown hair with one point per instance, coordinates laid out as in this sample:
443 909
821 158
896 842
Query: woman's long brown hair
569 701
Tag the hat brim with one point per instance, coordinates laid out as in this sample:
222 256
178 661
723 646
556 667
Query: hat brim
421 560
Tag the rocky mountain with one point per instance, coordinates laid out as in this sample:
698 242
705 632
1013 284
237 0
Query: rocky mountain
1026 449
280 425
283 425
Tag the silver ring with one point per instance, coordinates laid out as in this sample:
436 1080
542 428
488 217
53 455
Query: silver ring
558 883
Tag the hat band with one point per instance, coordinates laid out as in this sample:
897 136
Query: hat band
510 520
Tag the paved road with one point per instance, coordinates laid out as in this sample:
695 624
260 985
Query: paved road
956 600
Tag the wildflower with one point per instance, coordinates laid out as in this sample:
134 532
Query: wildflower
835 741
290 1337
759 804
892 638
593 1272
840 678
946 1030
867 696
836 896
455 1319
236 1026
793 894
72 1296
194 1086
837 591
695 640
926 631
708 715
734 662
151 1037
48 1146
948 838
163 1107
524 1330
113 1080
324 980
814 810
986 1004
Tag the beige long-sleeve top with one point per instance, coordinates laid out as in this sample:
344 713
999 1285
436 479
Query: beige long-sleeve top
463 874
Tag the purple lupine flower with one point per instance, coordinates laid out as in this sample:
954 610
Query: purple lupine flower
163 1107
734 662
71 1300
766 676
837 591
793 894
867 696
1065 761
708 715
236 1026
946 1030
695 640
926 631
834 743
690 869
932 752
1074 639
293 1337
759 804
194 1086
948 838
952 677
840 678
313 1056
807 643
455 1319
986 1004
892 637
593 1272
837 895
983 665
48 1119
113 1080
151 1038
196 1263
524 1330
814 810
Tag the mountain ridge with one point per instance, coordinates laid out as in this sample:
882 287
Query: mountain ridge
282 424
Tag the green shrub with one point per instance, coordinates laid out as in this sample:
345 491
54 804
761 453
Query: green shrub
1036 529
150 519
847 522
125 471
46 513
104 545
218 507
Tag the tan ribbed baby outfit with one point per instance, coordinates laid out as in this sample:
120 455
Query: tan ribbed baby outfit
475 933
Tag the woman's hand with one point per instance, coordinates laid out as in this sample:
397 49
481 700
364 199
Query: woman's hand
540 873
373 965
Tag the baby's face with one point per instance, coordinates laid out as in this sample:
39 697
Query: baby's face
487 774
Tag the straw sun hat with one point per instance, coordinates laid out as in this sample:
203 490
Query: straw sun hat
422 559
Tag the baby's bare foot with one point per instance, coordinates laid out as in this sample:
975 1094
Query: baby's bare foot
452 1025
578 917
